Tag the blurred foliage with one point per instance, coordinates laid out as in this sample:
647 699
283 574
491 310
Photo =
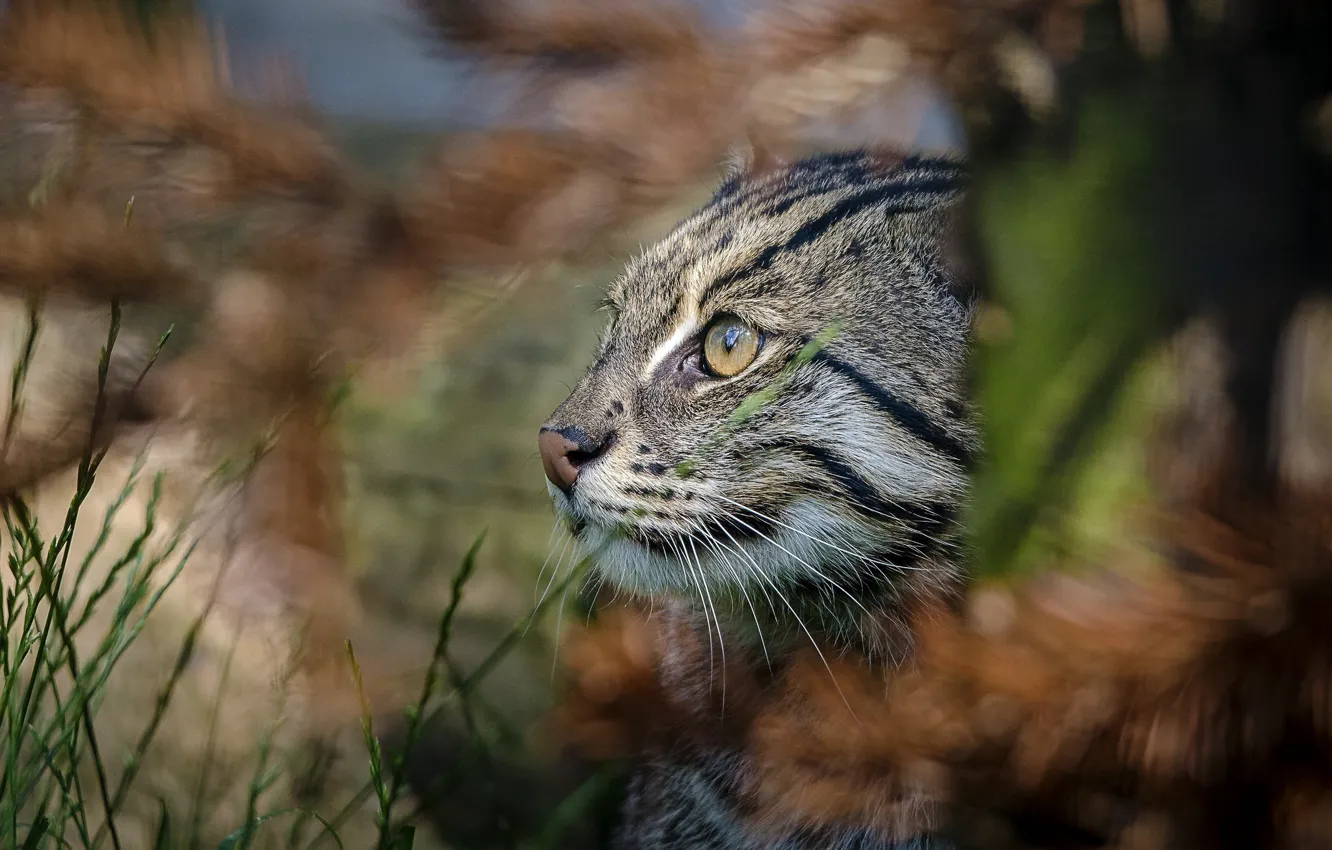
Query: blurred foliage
1168 187
1075 270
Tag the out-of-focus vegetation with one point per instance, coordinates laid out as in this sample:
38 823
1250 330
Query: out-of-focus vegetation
1076 271
1188 184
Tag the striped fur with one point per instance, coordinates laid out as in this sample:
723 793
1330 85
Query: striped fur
822 513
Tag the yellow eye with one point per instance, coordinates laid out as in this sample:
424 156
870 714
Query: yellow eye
729 346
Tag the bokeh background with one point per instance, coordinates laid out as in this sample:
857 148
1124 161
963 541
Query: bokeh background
452 454
1152 193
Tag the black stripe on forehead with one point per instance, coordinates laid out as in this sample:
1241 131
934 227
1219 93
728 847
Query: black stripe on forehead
827 174
929 181
866 173
824 164
918 184
891 199
829 170
823 175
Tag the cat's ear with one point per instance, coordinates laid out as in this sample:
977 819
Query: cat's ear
752 159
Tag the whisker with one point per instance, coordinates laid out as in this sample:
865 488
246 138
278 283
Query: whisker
817 572
762 582
721 639
556 527
597 583
718 550
566 537
812 642
554 573
678 549
858 555
559 614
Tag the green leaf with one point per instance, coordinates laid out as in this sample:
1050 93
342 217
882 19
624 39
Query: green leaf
1077 265
36 833
163 840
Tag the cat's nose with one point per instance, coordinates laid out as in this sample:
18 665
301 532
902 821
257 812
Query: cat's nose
565 450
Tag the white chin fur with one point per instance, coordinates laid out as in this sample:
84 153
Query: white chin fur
793 551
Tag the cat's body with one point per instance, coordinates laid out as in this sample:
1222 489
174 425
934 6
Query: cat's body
776 430
676 804
696 775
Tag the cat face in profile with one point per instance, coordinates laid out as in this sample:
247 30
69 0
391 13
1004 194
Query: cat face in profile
778 403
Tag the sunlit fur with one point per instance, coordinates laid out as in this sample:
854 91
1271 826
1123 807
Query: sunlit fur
828 510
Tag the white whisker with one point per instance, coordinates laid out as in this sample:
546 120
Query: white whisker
567 537
554 573
707 594
556 527
858 555
697 580
808 634
815 570
720 553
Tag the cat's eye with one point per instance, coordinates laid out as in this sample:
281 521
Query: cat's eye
729 346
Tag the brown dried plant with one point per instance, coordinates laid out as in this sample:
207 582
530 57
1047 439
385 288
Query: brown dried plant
100 60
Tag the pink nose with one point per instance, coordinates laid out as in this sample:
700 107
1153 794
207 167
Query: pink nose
555 449
565 451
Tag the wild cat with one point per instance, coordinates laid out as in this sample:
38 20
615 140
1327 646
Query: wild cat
775 434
